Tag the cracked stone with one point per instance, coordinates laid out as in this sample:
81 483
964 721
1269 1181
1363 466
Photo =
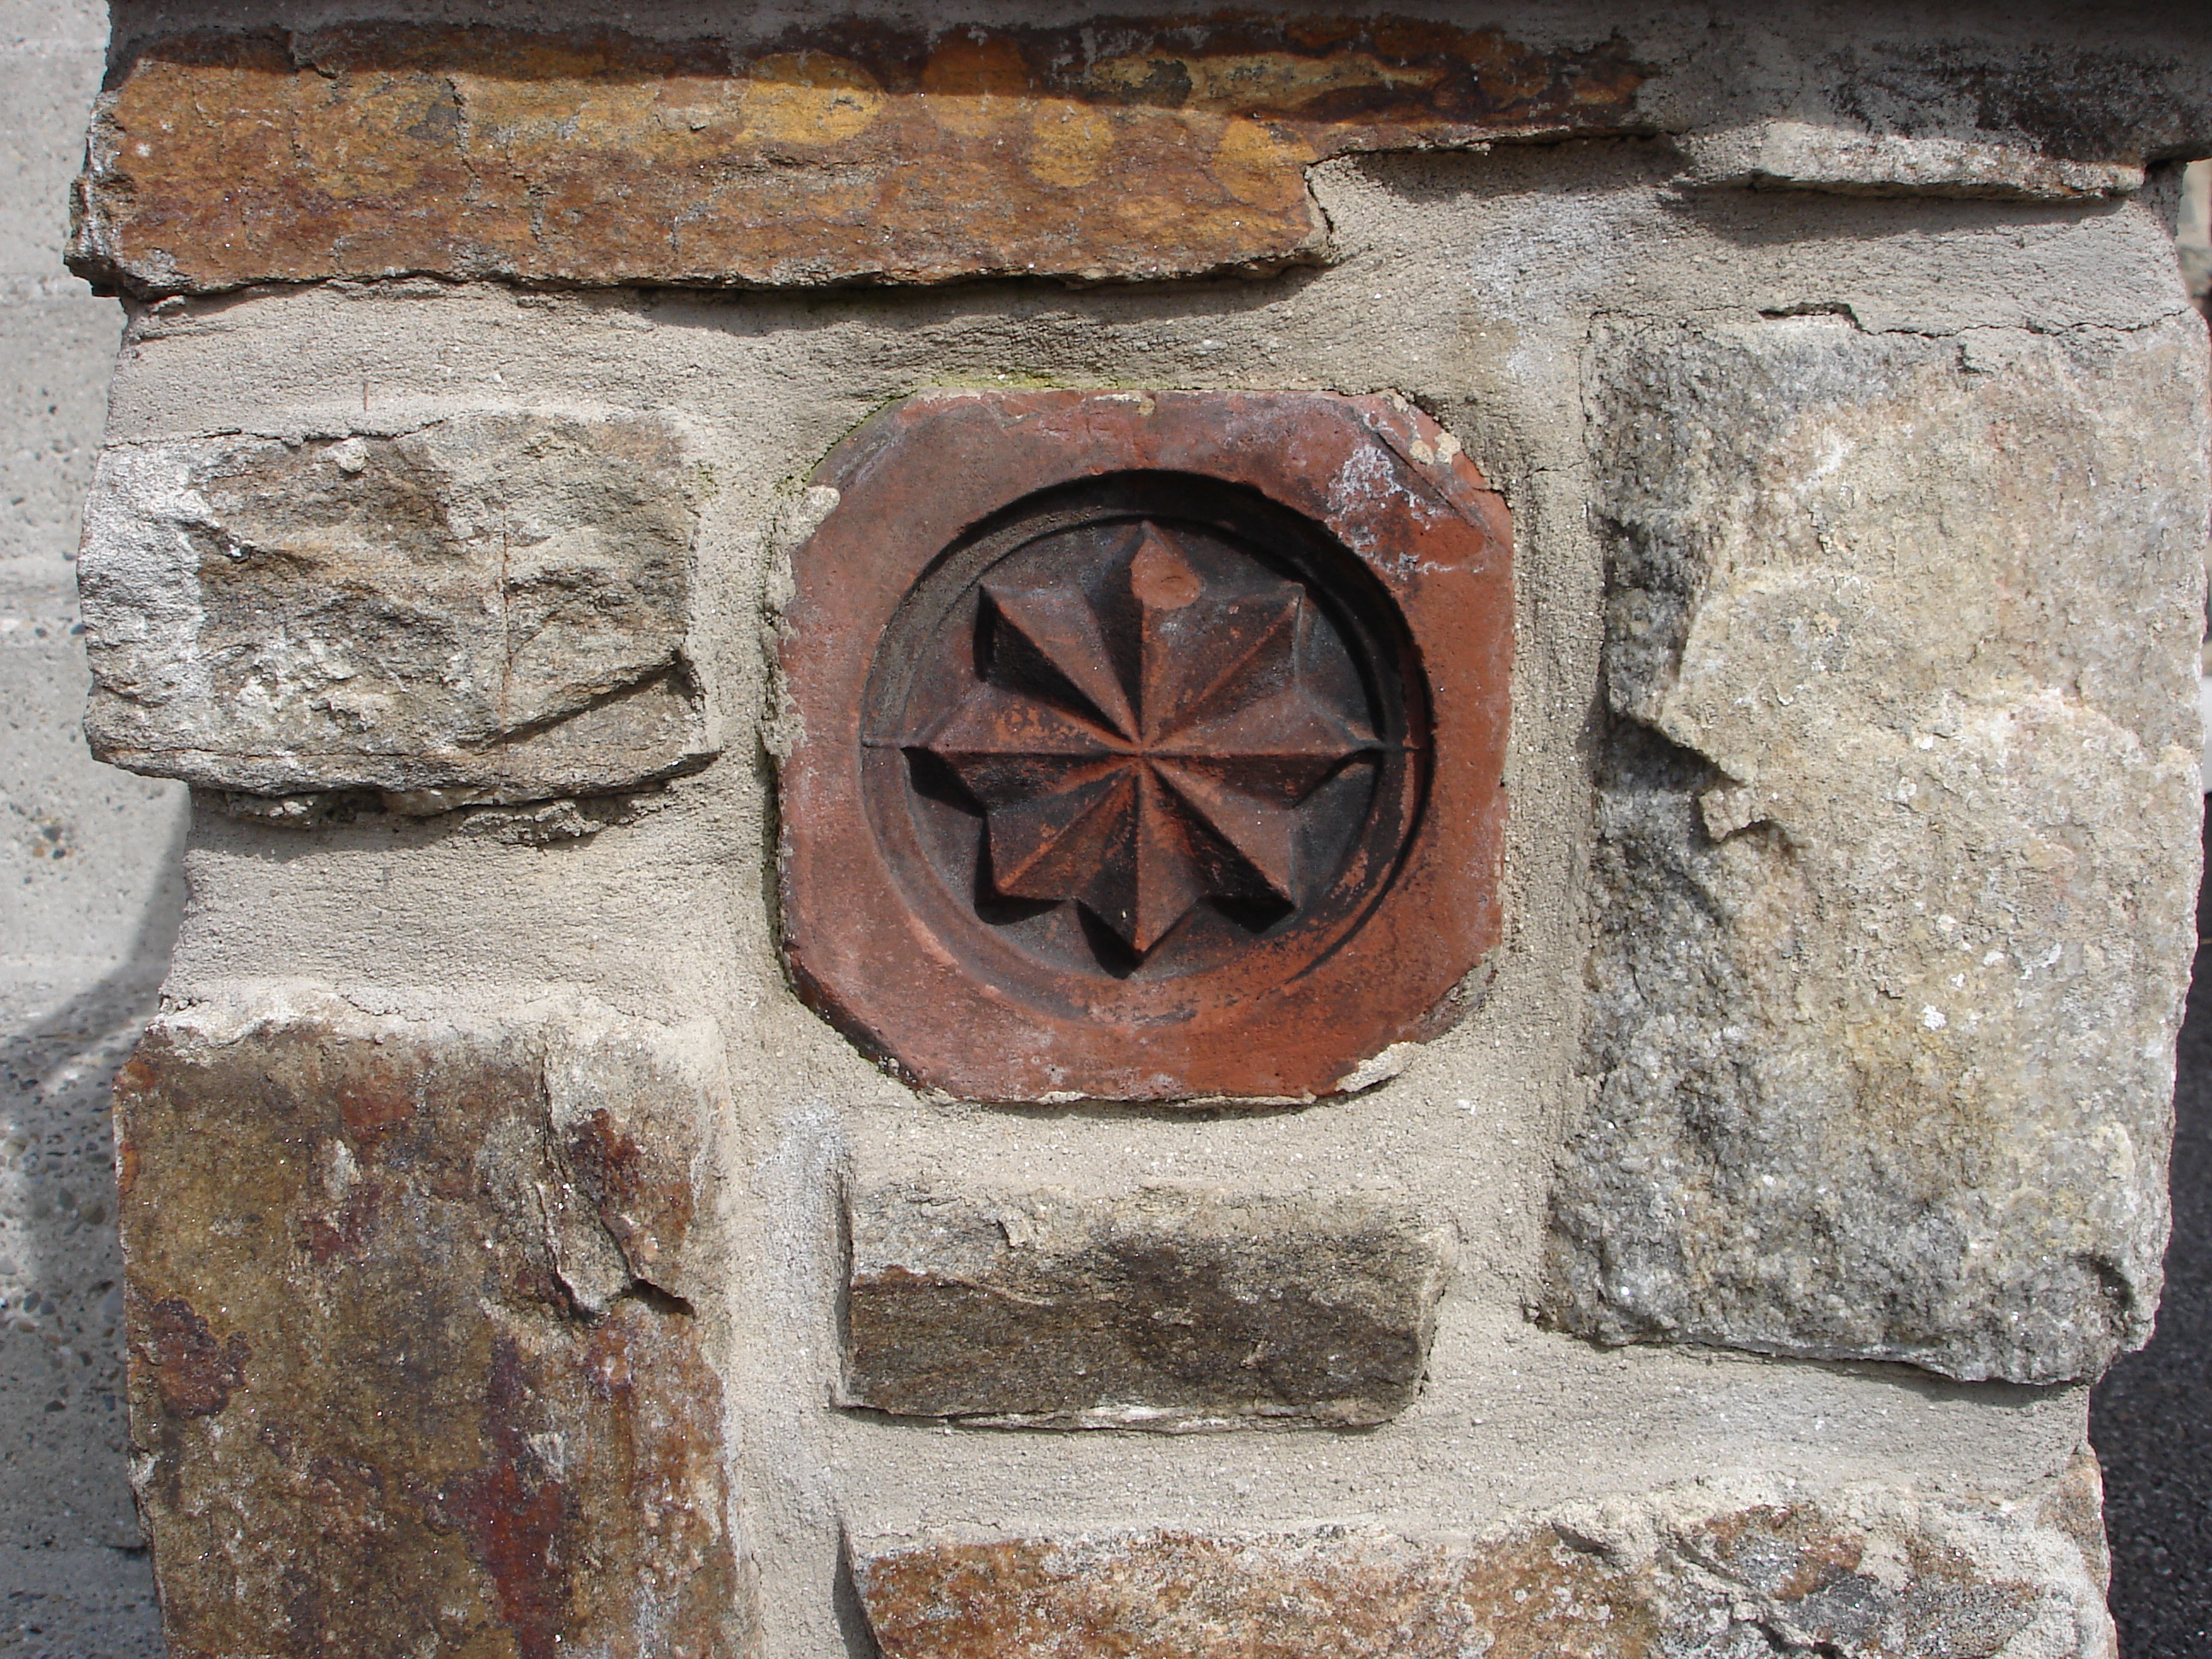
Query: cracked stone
1897 841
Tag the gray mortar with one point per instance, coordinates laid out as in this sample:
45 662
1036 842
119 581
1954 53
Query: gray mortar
1470 283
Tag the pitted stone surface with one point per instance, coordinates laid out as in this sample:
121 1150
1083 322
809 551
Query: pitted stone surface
491 608
413 1352
1164 1309
1717 1573
1897 841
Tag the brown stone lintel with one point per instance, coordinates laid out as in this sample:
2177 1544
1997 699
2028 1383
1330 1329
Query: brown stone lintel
848 152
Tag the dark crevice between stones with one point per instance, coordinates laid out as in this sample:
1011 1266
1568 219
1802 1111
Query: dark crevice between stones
851 1610
660 1301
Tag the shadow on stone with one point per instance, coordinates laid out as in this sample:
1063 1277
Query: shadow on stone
2151 1417
77 1576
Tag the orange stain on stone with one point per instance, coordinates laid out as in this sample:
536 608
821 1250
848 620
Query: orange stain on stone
852 153
1071 144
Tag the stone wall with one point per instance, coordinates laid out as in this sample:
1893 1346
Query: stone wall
1719 1269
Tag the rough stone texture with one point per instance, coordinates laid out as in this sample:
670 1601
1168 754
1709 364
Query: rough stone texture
840 148
417 1348
491 608
90 897
1853 161
1164 1309
840 151
1712 1573
1469 282
1897 828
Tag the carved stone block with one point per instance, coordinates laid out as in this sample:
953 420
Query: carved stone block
1150 745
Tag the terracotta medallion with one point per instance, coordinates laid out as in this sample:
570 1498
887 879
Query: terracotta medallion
1150 743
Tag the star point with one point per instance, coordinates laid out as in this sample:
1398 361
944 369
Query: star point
1141 749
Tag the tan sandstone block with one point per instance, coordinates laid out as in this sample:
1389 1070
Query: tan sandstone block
494 607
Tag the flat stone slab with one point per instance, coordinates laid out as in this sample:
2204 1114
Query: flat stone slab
1897 852
1869 1574
839 150
414 1352
1165 1309
493 607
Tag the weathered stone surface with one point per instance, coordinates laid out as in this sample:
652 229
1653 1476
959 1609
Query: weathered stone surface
840 152
1165 1308
416 1357
1854 161
1898 822
492 608
1719 1573
1989 103
808 147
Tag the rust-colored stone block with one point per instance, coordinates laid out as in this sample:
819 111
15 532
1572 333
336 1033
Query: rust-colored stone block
841 152
412 1366
1152 744
1883 1574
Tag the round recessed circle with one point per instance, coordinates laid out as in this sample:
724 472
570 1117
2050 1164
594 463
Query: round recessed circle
1143 740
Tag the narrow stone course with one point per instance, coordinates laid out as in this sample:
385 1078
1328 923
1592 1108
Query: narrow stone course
1161 1309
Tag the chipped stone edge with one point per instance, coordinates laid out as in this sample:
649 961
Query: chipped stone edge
217 777
1850 160
1439 1238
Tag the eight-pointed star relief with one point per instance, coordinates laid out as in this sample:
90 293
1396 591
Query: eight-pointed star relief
1143 744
